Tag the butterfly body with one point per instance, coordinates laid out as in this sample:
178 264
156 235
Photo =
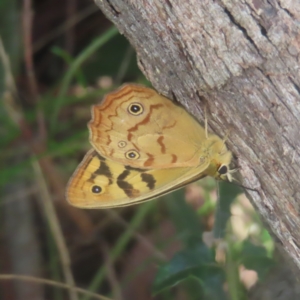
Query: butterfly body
144 146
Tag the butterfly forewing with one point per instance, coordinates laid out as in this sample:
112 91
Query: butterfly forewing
162 134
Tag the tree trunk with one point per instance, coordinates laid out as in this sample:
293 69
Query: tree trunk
240 59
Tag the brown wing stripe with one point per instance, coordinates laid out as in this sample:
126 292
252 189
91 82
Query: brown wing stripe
103 170
99 156
162 145
125 186
149 161
129 168
174 158
147 118
120 94
149 179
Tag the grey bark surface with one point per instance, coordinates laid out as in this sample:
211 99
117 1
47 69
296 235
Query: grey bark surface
240 59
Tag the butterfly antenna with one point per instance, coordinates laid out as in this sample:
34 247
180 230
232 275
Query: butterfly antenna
205 121
242 186
236 182
225 139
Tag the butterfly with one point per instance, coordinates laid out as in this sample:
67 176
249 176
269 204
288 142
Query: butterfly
144 146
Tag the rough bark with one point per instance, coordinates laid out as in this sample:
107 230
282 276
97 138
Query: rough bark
240 58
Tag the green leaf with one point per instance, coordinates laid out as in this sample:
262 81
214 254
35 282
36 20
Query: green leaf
255 258
197 261
212 281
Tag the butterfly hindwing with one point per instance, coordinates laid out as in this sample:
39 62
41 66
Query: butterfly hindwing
102 183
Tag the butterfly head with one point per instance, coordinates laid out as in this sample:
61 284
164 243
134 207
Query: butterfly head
220 158
224 173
